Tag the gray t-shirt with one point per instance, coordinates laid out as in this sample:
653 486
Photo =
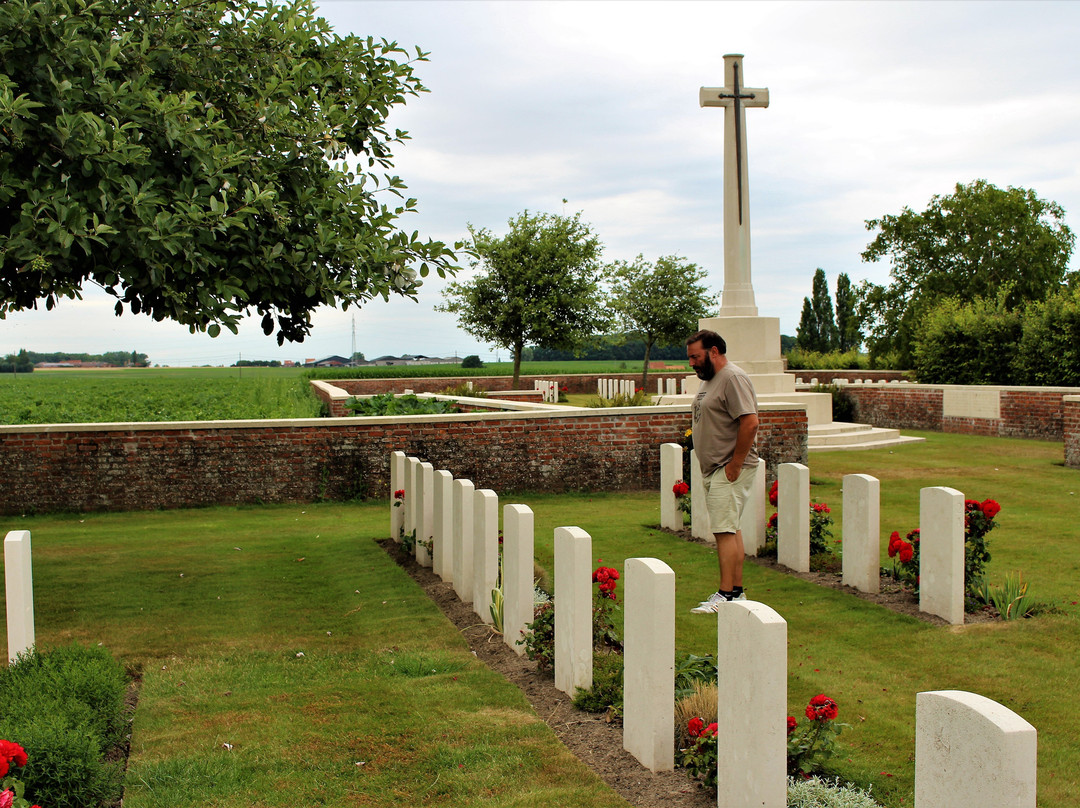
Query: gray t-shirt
720 403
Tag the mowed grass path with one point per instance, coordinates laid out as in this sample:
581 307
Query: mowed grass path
386 682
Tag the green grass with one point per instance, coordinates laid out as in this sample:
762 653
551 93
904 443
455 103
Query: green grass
386 680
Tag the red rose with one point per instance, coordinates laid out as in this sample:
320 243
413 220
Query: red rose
792 723
822 708
399 494
774 493
680 489
693 728
894 543
914 536
907 552
773 520
712 729
990 508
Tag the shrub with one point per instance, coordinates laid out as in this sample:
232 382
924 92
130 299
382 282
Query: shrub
389 404
606 693
800 359
539 638
471 361
66 708
1049 350
967 343
843 405
817 793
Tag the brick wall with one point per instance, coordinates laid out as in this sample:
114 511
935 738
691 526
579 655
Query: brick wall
147 466
575 383
1071 429
1025 412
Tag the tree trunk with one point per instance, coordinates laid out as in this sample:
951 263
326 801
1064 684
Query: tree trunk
645 367
517 366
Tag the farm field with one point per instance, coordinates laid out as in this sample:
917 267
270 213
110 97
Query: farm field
121 395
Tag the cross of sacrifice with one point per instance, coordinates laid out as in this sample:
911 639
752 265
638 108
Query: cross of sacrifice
738 297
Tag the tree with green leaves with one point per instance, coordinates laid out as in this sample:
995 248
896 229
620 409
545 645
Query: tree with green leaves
538 285
658 303
969 245
848 328
192 160
817 326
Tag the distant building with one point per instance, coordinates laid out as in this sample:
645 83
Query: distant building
328 362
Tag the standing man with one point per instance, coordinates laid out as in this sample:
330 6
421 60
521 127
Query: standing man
725 423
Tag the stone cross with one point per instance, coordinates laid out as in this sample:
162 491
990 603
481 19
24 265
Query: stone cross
738 297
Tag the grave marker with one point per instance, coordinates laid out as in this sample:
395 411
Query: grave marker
649 663
19 581
397 483
517 573
699 514
941 553
671 455
862 527
752 641
443 528
424 513
485 560
972 752
573 610
793 523
754 518
463 539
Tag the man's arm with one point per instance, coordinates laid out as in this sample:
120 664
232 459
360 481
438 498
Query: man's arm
748 427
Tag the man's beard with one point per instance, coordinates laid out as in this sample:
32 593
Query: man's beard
705 371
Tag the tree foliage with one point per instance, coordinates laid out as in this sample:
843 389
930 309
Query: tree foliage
817 325
848 331
658 303
968 245
538 285
967 342
192 159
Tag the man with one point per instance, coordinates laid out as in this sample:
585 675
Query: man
725 422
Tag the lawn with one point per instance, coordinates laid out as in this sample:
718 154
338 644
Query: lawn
287 660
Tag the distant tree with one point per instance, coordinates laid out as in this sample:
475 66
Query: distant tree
191 159
848 331
967 245
17 363
658 303
358 357
817 326
472 361
787 342
539 285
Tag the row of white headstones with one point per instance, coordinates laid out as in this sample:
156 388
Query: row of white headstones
941 521
969 750
607 388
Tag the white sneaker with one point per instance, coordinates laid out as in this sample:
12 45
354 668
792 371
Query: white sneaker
710 606
717 596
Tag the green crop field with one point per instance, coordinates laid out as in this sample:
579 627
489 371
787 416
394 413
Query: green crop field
122 395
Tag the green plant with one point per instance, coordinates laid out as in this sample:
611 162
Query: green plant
12 788
605 604
843 405
681 490
692 670
905 556
978 522
1011 599
539 638
811 743
606 693
699 757
390 404
814 792
462 390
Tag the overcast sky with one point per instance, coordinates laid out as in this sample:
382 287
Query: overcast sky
873 106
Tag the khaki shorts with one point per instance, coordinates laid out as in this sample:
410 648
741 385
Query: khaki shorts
725 500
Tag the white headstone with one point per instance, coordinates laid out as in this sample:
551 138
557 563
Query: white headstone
397 483
699 513
463 539
517 573
671 465
573 610
793 522
941 553
649 662
862 527
443 527
754 517
425 496
671 387
752 642
485 551
412 465
971 752
19 581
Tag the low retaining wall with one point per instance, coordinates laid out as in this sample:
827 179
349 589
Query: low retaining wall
1071 419
1008 412
95 467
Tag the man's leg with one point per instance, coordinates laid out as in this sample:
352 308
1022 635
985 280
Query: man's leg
730 554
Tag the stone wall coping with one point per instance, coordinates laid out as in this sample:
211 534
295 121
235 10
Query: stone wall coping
1073 399
554 411
999 387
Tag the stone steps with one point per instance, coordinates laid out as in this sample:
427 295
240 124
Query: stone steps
841 436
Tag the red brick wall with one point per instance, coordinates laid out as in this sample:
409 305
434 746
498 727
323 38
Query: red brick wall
1026 412
1071 429
159 466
